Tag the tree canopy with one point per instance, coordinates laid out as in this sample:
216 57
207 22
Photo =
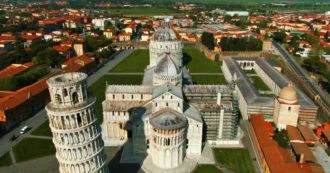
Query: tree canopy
241 44
208 40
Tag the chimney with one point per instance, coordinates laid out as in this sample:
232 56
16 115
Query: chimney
302 159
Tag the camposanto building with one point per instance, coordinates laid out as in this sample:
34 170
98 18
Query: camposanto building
167 118
284 104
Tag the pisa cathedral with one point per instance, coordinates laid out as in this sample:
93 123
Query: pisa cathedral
168 118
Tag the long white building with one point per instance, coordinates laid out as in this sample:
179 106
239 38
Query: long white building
252 101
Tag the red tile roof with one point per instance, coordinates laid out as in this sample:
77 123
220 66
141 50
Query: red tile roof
14 69
282 163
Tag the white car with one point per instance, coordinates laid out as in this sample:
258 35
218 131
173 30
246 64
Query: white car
24 130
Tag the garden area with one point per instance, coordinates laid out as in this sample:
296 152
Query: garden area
42 130
31 148
209 79
207 169
235 159
134 63
5 160
196 62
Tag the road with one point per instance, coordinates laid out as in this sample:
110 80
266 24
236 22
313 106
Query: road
248 143
41 116
324 101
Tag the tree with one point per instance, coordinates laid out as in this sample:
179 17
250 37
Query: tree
241 44
49 57
208 40
279 36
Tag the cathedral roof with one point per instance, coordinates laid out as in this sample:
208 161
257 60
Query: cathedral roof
159 90
166 66
168 119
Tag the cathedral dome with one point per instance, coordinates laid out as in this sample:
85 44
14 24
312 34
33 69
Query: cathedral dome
166 67
168 120
164 34
288 94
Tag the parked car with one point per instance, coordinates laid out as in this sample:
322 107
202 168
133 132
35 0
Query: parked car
24 130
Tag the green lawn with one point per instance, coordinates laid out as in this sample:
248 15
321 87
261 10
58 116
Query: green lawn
135 62
250 71
143 11
259 83
43 130
209 79
5 160
31 148
235 159
98 88
196 62
207 169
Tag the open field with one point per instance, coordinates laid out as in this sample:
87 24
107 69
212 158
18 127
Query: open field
196 62
42 130
31 148
145 11
206 169
5 160
209 79
135 62
235 159
98 88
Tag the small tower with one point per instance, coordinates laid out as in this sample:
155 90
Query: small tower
286 111
73 122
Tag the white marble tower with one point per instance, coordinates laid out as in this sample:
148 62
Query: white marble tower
73 122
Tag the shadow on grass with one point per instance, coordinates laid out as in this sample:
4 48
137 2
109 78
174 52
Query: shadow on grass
116 167
186 59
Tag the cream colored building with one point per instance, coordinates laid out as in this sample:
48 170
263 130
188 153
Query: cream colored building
155 119
286 110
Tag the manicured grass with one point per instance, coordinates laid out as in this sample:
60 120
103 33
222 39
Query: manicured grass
31 148
196 62
135 62
259 83
43 130
98 88
207 169
250 71
236 159
209 79
5 160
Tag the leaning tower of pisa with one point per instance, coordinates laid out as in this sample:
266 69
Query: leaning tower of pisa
73 122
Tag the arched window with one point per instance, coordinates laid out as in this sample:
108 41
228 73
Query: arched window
156 104
167 142
75 97
123 96
166 104
113 96
289 108
178 104
132 96
79 119
58 98
65 92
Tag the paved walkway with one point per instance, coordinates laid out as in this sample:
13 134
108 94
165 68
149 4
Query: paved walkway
41 165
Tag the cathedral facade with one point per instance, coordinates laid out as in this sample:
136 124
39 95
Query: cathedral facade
167 117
